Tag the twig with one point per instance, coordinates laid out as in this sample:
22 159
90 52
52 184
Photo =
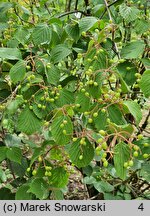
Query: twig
71 12
47 8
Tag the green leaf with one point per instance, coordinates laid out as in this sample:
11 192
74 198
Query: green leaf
59 177
59 53
3 176
22 35
125 130
53 75
145 83
128 13
127 76
57 195
42 34
115 115
83 101
20 168
22 193
14 105
57 131
100 121
40 188
134 109
73 31
10 53
86 23
66 97
3 151
14 154
133 50
36 154
121 155
28 122
89 180
141 26
77 149
102 186
18 71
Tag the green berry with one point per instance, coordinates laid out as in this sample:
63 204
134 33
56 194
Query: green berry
140 136
103 110
48 168
34 172
87 94
102 132
125 165
145 156
90 120
105 163
40 159
146 145
28 169
136 148
80 157
39 106
65 121
62 125
135 154
104 145
95 114
64 132
130 163
74 139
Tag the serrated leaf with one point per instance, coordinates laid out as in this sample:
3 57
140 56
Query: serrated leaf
28 122
89 180
37 152
73 31
125 130
145 83
3 151
22 35
141 26
39 188
42 34
53 75
18 71
57 195
59 177
22 193
86 23
121 155
115 115
3 176
66 97
100 121
76 150
59 53
57 131
10 53
14 154
133 50
13 105
134 109
83 101
102 186
128 13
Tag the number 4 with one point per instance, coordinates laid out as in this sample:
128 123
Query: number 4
141 207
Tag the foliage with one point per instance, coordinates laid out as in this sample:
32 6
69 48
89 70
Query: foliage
74 91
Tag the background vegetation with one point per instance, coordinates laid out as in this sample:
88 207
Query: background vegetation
74 98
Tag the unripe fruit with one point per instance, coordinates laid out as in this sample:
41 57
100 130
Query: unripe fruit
83 90
86 113
80 157
102 132
100 140
145 156
64 132
28 169
40 159
34 172
128 68
104 155
103 110
136 148
78 105
48 168
51 100
62 125
130 163
146 145
105 163
87 94
135 154
140 136
39 106
125 165
31 107
74 139
65 121
90 120
95 114
104 145
46 123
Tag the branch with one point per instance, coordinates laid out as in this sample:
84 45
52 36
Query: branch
71 12
108 7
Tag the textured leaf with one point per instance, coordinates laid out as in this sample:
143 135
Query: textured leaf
73 31
28 122
59 53
14 154
121 155
134 109
53 75
22 35
145 83
10 53
22 193
133 50
128 13
102 186
3 151
100 121
40 188
125 130
83 101
42 34
59 177
115 115
86 23
18 71
13 105
77 149
66 97
57 131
